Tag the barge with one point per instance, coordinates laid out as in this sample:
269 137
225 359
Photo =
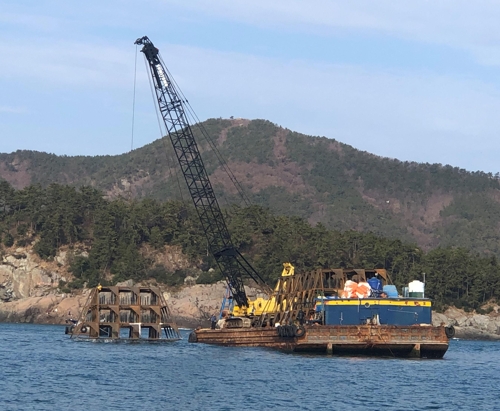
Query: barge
336 312
298 316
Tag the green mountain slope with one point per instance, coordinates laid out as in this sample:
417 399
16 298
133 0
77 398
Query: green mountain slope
316 178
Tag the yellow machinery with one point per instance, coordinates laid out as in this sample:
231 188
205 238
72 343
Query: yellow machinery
260 305
295 296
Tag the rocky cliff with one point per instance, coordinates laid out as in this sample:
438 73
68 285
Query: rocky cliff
29 293
471 325
23 275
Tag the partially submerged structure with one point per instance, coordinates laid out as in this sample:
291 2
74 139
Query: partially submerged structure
125 313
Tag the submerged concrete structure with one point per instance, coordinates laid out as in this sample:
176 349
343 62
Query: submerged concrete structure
125 313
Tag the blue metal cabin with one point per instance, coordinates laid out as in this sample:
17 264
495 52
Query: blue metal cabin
384 311
328 297
332 309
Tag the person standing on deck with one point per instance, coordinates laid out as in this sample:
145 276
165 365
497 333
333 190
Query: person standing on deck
213 320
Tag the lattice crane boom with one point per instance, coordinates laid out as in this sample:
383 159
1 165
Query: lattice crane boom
231 263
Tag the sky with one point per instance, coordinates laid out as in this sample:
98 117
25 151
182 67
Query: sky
414 80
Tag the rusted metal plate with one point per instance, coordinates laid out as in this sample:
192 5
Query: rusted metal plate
417 341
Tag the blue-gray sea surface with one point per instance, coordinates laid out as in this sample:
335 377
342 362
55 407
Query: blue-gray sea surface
42 369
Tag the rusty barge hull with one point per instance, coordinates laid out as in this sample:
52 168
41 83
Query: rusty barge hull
378 340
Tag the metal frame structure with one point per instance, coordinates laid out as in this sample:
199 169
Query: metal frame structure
123 313
295 295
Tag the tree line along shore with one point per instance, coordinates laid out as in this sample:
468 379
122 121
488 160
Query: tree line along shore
120 238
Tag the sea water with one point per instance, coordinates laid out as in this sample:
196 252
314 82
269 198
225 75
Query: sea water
42 369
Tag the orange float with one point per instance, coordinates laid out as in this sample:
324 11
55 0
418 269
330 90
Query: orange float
356 290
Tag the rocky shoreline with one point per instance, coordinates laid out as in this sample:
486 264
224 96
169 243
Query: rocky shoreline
29 293
192 306
471 326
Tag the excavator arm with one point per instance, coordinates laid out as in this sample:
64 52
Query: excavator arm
232 264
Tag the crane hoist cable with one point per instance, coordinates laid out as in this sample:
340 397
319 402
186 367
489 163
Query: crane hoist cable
197 123
133 100
221 160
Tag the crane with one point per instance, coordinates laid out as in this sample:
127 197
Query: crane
231 263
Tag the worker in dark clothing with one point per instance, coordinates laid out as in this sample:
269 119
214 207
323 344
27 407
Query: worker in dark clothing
213 320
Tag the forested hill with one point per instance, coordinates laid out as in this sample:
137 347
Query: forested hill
317 178
108 241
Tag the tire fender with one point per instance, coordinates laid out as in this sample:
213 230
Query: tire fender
192 337
449 331
300 331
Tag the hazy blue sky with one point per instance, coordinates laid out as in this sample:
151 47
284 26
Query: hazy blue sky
414 80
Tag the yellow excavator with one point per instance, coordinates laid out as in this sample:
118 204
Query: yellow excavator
260 305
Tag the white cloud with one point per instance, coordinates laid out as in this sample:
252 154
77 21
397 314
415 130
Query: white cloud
404 114
407 115
66 62
461 24
411 116
14 110
29 21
